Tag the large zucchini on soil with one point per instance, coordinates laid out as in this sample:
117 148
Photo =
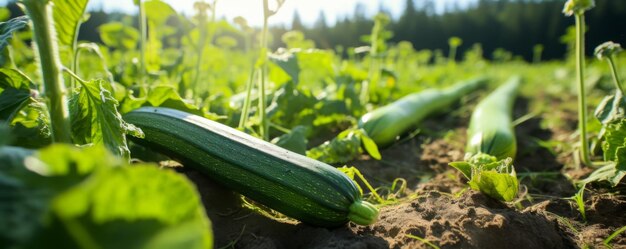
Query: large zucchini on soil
295 185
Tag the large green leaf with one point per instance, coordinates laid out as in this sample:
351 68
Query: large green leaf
157 12
66 197
95 118
68 15
288 62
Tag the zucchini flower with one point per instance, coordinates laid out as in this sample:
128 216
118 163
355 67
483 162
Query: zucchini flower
607 49
577 6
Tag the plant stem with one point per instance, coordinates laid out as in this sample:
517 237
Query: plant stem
264 122
452 55
246 104
143 29
205 35
40 13
372 81
618 83
582 105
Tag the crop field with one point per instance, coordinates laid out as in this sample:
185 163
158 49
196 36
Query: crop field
175 130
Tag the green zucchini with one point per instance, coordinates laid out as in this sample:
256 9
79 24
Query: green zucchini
297 186
385 124
491 130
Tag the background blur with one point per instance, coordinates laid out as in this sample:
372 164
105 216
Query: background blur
513 26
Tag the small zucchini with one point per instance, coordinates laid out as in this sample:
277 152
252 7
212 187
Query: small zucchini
297 186
491 130
385 124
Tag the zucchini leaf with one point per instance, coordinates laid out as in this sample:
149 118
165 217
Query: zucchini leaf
6 32
288 62
95 119
16 93
158 12
68 15
30 125
614 147
494 178
11 101
343 148
118 35
614 143
500 186
295 140
66 197
347 146
164 96
608 111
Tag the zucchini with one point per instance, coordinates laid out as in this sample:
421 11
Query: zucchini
297 186
385 124
491 130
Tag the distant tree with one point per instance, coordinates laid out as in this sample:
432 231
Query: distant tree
296 23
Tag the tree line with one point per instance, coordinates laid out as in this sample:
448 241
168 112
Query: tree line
517 26
514 25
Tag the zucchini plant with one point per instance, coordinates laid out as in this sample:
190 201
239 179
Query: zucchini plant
63 196
612 114
491 145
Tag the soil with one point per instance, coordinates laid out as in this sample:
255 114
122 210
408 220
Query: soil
438 208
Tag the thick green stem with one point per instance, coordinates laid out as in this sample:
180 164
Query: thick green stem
618 83
143 29
40 13
582 105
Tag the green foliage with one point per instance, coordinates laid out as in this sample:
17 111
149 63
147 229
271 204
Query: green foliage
579 199
6 33
348 145
493 177
16 93
4 14
289 63
614 145
68 15
86 198
295 140
95 118
611 109
118 35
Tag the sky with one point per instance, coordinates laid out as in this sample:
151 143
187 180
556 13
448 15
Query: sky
308 10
